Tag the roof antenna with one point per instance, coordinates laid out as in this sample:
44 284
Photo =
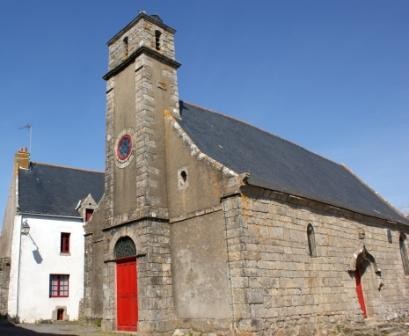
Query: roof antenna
29 127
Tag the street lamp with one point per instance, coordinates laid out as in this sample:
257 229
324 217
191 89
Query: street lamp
25 228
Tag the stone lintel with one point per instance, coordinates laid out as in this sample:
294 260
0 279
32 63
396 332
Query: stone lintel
136 220
229 195
115 260
196 213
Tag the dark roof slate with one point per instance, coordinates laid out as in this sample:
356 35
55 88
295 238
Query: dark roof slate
55 191
280 165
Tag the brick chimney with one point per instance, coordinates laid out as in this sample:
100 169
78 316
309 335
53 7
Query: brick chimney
21 160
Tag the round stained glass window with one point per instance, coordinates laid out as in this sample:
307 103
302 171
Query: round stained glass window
124 148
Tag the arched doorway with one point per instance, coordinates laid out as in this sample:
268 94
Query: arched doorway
364 266
361 266
126 284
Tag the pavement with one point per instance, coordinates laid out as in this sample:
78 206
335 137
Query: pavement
51 329
363 328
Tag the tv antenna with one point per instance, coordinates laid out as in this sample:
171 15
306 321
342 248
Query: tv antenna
29 127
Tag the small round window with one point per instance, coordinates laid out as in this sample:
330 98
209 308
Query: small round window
124 147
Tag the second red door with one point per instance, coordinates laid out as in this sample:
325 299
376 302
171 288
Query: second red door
359 292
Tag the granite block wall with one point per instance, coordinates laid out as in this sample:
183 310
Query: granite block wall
154 276
275 280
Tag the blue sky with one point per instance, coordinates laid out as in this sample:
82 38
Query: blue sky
332 76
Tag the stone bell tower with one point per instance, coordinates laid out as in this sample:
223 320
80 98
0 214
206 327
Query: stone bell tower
141 88
141 85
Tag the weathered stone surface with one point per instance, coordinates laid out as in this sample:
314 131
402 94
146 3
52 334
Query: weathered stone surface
214 255
4 284
319 328
274 278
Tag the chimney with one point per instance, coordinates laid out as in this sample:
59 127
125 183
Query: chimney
21 160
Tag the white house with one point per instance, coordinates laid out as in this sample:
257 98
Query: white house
43 236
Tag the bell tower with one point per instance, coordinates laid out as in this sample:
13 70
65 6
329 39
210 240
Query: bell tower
141 86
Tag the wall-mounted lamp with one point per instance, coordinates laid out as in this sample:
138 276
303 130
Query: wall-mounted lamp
25 228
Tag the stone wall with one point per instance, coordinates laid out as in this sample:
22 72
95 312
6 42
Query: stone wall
277 283
154 276
8 221
200 278
4 284
141 32
92 304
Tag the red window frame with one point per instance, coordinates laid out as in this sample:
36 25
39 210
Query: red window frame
65 242
88 214
59 285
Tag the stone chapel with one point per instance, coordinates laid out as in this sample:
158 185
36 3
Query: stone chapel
211 224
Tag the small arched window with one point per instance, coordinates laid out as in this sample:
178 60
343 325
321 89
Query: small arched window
311 241
126 45
124 248
158 34
389 235
404 253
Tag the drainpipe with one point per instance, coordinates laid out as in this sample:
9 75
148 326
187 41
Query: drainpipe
18 274
21 160
23 230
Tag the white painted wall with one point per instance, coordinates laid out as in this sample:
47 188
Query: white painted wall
15 247
43 244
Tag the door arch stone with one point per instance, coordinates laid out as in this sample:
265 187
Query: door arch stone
368 280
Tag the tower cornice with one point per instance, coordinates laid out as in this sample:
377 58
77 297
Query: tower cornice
141 50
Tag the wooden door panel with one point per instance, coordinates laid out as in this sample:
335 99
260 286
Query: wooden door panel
127 298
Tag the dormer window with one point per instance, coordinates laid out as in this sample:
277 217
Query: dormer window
157 39
86 208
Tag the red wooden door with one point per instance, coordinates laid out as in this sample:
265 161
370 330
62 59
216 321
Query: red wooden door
360 293
127 298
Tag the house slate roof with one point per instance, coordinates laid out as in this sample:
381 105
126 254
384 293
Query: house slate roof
55 191
280 165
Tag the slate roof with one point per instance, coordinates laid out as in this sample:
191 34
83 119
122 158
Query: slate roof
280 165
55 190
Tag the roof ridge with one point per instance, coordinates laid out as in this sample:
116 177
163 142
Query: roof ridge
67 167
264 131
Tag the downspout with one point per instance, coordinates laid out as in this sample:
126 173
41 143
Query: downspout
17 205
21 160
18 274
